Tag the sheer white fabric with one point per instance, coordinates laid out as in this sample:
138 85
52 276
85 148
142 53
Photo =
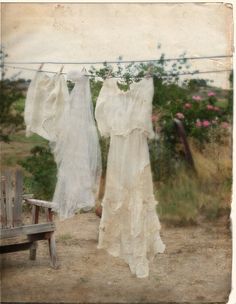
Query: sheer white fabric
129 226
44 104
77 151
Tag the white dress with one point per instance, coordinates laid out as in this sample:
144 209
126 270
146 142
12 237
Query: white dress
77 151
129 226
44 104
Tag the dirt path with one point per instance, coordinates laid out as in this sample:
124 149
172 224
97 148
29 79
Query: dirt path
196 267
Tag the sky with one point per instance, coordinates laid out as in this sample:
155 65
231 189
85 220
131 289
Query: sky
105 31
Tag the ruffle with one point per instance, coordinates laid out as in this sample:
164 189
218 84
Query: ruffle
149 133
132 231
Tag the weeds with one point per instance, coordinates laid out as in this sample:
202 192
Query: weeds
208 192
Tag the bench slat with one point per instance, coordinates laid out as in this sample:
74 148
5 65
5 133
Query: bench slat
40 203
10 183
17 208
27 229
3 200
15 247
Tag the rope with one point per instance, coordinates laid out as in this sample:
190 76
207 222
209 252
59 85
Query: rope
119 61
162 75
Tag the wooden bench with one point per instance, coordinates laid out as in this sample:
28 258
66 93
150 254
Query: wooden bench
11 223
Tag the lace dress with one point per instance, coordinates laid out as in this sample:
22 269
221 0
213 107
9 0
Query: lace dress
77 151
129 226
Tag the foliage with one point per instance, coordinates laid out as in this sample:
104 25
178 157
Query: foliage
163 162
104 144
42 169
198 114
195 84
11 119
185 196
180 205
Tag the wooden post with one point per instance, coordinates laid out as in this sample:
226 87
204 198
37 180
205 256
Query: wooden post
182 134
17 208
35 220
10 197
51 241
52 251
3 201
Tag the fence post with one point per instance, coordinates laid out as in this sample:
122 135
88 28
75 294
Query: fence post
182 134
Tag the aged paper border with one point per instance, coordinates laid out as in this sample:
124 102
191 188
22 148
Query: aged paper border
230 4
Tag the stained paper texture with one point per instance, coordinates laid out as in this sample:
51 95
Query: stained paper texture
195 266
103 32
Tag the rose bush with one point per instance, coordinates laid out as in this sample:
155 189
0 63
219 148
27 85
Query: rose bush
198 115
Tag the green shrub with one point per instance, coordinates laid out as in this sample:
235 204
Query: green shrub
180 204
42 168
163 162
198 115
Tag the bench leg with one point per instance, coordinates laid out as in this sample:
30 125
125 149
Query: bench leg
52 251
33 250
35 220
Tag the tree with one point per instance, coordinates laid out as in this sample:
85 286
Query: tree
10 120
194 84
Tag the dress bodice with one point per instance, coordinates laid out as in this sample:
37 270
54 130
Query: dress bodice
120 112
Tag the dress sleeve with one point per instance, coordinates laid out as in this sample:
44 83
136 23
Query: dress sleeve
54 107
102 111
147 109
30 104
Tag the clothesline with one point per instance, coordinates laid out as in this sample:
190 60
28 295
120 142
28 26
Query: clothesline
96 76
120 61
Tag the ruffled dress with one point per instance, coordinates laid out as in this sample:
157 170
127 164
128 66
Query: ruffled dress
129 226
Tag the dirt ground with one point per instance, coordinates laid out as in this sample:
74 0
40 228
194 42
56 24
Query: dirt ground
195 268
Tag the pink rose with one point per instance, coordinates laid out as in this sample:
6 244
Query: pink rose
211 94
224 125
210 107
206 123
179 115
198 124
197 97
214 122
188 106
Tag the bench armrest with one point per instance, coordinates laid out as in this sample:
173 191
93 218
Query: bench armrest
24 196
40 203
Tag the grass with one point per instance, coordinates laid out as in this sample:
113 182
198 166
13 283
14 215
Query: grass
18 148
34 139
182 198
68 240
19 105
180 205
207 193
65 237
222 103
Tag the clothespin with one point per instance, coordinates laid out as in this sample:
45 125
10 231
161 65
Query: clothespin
109 74
84 71
41 66
149 72
62 67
